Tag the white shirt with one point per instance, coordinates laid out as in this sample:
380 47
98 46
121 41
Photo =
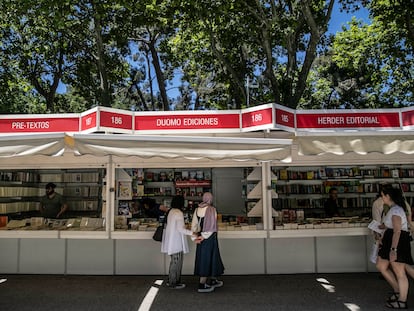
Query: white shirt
398 211
174 238
377 209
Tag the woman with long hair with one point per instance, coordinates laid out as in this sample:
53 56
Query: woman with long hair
395 248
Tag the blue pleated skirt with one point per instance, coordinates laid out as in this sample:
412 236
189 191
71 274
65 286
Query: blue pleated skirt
208 261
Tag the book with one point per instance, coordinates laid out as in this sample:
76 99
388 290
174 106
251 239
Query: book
374 226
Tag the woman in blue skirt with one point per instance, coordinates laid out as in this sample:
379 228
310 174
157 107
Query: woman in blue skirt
208 264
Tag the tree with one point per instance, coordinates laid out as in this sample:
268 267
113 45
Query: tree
34 45
273 43
368 66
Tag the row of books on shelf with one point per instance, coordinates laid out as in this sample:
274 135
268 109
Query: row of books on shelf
17 207
144 175
85 191
40 223
284 203
20 176
354 172
341 186
36 177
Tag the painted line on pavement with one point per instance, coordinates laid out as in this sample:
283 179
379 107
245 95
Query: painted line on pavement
150 296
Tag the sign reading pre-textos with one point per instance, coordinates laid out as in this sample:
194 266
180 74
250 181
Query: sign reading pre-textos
202 121
42 124
347 120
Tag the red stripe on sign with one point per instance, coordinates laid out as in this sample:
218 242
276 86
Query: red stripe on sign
115 120
187 122
347 120
257 118
39 125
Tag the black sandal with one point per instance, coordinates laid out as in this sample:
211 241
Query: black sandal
397 304
393 297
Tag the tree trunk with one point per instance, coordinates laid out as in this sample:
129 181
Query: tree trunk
160 75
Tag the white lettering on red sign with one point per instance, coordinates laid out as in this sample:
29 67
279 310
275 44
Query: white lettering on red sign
362 120
32 125
116 120
187 122
88 121
285 118
257 117
348 120
331 120
168 122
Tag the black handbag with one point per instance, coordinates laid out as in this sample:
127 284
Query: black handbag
160 229
158 233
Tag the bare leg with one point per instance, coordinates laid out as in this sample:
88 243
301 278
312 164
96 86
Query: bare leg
410 270
203 280
399 270
383 266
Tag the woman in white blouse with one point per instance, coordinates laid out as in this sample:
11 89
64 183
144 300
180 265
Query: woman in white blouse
395 248
174 241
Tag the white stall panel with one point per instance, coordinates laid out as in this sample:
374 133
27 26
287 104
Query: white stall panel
341 254
189 259
242 256
290 255
9 250
42 256
90 257
134 257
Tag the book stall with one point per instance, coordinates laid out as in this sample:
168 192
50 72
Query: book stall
269 167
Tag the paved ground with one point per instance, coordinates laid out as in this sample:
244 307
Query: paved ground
364 291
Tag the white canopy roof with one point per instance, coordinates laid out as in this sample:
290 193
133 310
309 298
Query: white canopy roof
189 147
32 144
359 144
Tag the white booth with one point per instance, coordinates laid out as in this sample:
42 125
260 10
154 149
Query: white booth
268 167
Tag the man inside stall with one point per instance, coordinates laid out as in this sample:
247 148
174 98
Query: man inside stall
331 205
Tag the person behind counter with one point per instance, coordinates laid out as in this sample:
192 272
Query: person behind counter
52 204
152 209
331 205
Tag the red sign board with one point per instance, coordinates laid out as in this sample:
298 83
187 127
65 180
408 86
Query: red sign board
89 121
203 121
339 120
258 117
41 124
408 118
285 117
115 120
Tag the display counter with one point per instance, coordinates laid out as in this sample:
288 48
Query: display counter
134 252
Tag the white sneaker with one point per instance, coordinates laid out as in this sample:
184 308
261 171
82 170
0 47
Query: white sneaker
205 288
216 283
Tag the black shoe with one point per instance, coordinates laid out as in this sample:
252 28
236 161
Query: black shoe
216 283
205 288
397 304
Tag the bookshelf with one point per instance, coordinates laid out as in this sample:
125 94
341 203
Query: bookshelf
21 190
161 184
306 188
